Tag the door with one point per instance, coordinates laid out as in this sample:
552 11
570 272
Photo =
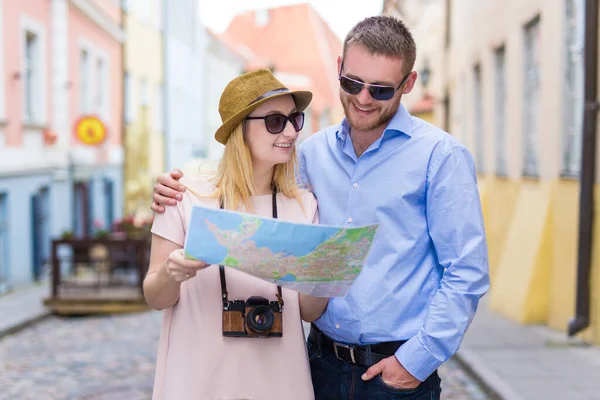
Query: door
40 231
83 221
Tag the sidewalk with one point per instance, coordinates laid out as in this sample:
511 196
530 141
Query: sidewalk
22 307
529 362
513 361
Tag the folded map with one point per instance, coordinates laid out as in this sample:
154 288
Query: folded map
319 260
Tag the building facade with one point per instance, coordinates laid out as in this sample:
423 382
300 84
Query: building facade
513 80
222 64
298 45
426 21
143 101
184 43
60 60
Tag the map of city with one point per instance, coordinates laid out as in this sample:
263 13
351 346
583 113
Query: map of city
314 259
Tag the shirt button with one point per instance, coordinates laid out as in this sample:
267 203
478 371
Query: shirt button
349 220
355 185
337 326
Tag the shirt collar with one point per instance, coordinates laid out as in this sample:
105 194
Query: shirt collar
400 123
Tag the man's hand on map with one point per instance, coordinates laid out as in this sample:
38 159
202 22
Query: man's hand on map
181 269
167 191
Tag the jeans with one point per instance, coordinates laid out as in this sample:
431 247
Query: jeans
334 379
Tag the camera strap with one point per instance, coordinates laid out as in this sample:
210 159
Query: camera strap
224 296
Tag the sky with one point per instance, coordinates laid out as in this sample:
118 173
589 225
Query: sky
341 15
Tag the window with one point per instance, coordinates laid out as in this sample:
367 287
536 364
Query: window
448 27
531 106
261 17
31 75
574 99
102 86
4 248
143 11
447 108
500 110
158 14
85 91
99 103
158 109
129 104
144 92
33 71
478 118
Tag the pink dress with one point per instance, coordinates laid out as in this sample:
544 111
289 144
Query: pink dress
194 360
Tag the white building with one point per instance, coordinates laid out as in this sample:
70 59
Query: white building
184 43
222 64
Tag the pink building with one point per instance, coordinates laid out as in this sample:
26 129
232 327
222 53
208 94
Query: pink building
60 60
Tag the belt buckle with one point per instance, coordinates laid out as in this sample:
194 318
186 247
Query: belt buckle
345 346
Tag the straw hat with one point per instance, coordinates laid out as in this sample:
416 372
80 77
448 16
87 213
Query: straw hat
248 91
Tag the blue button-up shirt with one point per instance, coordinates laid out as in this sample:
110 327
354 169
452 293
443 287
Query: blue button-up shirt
428 266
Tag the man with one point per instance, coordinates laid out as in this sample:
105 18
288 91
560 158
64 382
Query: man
410 307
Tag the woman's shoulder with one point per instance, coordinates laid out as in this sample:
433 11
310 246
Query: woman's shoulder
308 197
307 205
199 184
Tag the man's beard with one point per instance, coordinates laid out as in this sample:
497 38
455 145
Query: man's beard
383 119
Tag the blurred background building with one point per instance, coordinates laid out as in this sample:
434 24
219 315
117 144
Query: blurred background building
60 126
97 97
507 79
300 48
143 97
426 21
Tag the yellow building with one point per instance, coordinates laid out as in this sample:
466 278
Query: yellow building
144 111
511 78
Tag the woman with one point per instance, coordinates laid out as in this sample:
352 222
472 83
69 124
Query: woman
261 122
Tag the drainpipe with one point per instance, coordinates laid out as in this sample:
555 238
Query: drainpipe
588 171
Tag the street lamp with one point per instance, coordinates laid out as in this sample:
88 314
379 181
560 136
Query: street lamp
425 74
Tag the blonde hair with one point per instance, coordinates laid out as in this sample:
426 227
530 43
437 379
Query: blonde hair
234 178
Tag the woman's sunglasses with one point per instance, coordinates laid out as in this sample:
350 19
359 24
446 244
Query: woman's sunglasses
275 123
378 92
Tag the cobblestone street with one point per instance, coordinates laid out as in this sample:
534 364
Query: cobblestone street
112 358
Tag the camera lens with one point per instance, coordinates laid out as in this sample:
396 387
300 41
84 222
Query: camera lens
260 319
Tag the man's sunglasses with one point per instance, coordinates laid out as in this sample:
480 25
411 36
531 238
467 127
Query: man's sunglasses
275 123
378 92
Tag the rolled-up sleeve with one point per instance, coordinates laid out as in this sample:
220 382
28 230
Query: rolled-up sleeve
456 228
171 224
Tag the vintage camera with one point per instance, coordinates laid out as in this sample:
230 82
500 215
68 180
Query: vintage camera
255 317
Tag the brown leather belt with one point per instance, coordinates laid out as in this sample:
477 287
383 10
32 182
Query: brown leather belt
353 353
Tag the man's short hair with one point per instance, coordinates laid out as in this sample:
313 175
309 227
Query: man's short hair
386 36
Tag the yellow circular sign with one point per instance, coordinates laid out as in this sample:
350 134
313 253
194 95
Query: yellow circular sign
90 130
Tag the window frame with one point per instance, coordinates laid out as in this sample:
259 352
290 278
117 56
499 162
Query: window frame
478 120
500 103
531 98
573 102
39 112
